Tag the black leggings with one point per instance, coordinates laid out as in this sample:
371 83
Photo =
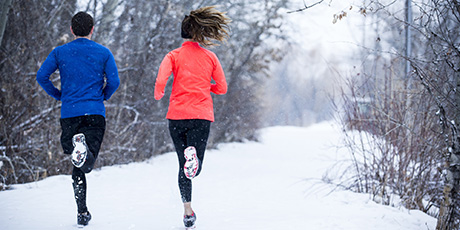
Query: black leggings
93 126
185 133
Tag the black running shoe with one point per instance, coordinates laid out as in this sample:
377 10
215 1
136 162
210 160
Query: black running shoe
83 218
189 221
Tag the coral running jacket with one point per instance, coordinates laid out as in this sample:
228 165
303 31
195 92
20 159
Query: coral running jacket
193 68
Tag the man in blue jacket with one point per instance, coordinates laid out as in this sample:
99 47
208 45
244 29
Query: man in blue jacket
89 76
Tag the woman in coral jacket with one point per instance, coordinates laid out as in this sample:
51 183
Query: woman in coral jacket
190 110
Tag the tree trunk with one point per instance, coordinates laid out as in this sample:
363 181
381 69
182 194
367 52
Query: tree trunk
448 218
106 21
4 8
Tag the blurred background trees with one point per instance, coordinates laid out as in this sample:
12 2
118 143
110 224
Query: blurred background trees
140 34
29 135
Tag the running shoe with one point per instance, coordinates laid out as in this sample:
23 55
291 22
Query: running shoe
83 219
189 221
191 163
79 150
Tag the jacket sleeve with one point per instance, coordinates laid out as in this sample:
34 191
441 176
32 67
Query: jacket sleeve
219 77
166 68
43 76
111 73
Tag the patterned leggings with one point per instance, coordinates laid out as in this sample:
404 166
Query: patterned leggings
184 133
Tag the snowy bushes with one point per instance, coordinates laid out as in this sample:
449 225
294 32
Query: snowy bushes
409 140
396 147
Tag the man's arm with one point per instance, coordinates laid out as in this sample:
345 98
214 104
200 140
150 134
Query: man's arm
113 81
43 76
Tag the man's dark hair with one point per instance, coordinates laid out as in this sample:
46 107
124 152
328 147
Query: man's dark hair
82 23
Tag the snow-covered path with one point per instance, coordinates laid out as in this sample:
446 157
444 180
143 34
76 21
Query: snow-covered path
274 184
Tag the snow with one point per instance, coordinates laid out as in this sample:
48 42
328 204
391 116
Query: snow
272 184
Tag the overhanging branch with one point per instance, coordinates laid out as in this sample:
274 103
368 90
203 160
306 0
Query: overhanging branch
306 7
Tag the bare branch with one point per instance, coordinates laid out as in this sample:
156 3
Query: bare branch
306 7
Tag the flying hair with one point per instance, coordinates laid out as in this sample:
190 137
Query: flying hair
205 25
